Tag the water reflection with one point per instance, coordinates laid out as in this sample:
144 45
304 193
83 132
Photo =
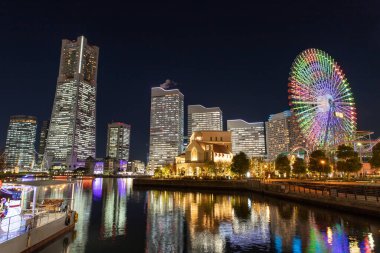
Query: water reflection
114 217
206 222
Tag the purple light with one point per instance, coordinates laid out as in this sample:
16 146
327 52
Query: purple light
97 188
121 186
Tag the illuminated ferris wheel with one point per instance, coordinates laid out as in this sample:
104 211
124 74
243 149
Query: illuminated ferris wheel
321 100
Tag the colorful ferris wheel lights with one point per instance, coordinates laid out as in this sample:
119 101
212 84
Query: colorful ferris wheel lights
321 99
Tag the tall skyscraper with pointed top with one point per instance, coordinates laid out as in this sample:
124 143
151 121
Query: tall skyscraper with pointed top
166 126
71 136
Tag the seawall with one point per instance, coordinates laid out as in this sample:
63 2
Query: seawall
278 189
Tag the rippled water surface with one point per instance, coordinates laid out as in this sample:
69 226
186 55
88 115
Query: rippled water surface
113 217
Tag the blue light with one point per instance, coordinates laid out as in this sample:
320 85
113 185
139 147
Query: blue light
278 243
297 245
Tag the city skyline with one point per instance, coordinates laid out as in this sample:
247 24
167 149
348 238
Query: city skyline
247 63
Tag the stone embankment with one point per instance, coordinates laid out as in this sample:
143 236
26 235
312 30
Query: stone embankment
364 200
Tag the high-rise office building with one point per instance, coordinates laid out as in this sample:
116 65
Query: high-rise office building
166 126
277 134
296 138
118 139
71 137
247 137
21 138
282 134
43 138
201 118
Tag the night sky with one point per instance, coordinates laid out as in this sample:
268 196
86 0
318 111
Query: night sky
228 54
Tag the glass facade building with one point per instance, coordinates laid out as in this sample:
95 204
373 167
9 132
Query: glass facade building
201 118
43 137
283 134
118 140
277 134
71 137
247 137
20 143
166 126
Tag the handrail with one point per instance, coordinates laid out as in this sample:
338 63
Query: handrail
359 192
19 224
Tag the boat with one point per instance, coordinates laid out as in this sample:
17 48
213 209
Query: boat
31 222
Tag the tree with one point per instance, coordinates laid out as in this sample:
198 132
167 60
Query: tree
258 166
240 164
348 159
164 171
299 166
223 168
319 162
211 168
282 164
375 160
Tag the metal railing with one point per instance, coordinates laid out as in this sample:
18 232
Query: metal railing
28 219
369 194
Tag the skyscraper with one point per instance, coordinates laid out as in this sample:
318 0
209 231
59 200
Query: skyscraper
201 118
282 134
21 138
118 139
277 134
247 137
71 137
296 138
43 137
166 126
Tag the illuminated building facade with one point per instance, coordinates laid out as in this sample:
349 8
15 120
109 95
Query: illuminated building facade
118 140
136 166
296 138
205 147
71 137
247 137
277 134
201 118
21 138
43 136
282 134
166 126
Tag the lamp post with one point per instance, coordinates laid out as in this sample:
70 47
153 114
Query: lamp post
360 145
323 162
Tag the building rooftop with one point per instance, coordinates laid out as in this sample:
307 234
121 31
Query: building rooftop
221 149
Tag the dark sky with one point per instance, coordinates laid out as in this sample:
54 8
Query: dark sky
228 54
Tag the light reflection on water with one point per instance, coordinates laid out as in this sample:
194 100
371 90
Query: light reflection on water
115 218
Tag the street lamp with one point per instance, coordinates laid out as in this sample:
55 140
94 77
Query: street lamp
323 162
359 144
